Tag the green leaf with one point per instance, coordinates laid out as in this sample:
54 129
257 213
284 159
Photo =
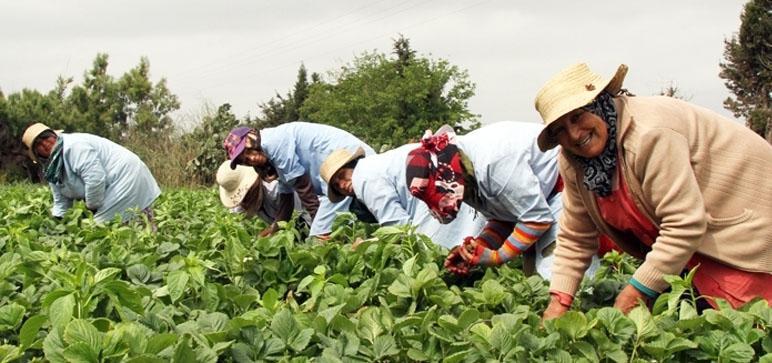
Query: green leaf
80 352
384 346
737 352
61 310
80 330
301 340
11 316
644 324
104 274
176 281
616 323
571 324
493 292
284 325
53 346
456 357
183 353
29 330
467 318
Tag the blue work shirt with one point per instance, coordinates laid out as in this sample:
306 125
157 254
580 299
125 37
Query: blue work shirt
379 182
296 148
108 177
514 178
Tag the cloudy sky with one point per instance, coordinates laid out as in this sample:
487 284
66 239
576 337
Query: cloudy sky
243 51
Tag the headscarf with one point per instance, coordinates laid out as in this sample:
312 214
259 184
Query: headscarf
599 171
55 169
434 174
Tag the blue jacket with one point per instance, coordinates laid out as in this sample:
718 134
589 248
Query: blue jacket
108 177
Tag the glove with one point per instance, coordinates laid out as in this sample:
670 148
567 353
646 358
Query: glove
455 262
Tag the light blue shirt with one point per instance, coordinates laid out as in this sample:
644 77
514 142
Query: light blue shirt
296 148
107 176
514 178
379 182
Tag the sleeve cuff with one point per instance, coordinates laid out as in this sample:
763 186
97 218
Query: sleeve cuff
645 290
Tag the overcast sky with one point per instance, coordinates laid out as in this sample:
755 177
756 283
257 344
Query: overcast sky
243 51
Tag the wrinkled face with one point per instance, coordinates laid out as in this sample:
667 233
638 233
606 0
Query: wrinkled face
253 157
43 146
341 181
581 133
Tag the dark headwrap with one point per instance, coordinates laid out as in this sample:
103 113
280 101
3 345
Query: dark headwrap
599 171
434 174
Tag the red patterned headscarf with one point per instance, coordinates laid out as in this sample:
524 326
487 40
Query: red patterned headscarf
435 175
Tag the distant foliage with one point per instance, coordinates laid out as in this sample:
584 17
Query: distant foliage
101 105
207 140
281 109
747 70
392 100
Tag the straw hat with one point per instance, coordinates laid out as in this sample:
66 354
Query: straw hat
571 88
234 183
31 133
336 160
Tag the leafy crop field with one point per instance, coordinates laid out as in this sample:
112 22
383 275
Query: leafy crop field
204 289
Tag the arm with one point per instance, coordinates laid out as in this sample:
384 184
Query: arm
577 238
492 252
61 203
382 200
88 166
670 187
308 198
283 214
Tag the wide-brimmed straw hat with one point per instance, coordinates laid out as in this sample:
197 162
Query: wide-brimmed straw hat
31 134
336 160
234 183
571 88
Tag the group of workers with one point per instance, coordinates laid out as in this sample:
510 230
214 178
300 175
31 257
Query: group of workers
671 183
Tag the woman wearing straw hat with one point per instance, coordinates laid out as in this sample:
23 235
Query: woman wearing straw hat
499 171
243 191
292 153
674 184
378 182
108 177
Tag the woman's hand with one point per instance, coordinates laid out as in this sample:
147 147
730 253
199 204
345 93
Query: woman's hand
629 298
471 250
455 263
555 308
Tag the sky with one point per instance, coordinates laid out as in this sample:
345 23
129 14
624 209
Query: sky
245 51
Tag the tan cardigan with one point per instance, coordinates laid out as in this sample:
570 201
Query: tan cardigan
703 180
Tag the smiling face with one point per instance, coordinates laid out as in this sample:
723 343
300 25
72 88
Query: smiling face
581 133
341 181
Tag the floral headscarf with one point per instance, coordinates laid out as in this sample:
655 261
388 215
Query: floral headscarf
435 175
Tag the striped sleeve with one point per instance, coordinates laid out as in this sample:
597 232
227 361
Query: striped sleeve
524 235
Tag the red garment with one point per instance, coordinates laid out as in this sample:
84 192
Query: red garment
712 279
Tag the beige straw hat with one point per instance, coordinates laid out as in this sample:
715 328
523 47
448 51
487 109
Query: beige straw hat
571 88
234 183
336 160
31 133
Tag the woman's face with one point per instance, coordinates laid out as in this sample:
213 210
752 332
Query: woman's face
581 133
44 146
253 157
341 181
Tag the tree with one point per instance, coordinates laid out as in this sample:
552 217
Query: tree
390 101
748 68
209 137
281 109
673 91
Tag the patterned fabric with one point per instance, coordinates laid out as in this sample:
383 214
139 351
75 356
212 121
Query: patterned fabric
55 168
239 139
599 171
521 238
434 175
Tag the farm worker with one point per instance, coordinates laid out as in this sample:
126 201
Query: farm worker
498 171
378 181
672 183
108 177
292 153
243 191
